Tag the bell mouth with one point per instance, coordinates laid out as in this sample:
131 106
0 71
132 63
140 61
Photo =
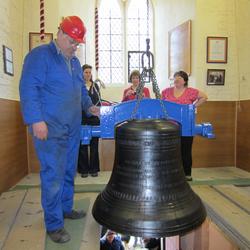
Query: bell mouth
147 219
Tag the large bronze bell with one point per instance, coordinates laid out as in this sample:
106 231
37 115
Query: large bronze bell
147 194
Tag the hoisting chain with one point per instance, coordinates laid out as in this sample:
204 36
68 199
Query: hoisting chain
147 18
139 91
148 72
156 90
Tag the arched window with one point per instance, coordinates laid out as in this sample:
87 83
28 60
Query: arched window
139 28
122 26
139 24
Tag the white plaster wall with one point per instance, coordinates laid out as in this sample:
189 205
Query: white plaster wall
216 18
11 33
168 15
54 11
209 18
243 47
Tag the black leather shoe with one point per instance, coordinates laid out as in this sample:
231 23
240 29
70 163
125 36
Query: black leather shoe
84 175
74 215
94 174
59 236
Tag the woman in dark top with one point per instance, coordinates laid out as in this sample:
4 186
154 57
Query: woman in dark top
89 163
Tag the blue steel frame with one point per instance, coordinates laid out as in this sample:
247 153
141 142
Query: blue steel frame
148 109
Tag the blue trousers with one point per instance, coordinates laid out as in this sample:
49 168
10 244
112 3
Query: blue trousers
58 160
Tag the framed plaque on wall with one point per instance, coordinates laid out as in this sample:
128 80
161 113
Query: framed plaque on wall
217 49
34 39
8 61
179 49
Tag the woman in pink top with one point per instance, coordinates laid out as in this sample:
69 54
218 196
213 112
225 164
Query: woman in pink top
130 93
183 94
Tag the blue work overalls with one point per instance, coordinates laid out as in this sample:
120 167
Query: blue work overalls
50 92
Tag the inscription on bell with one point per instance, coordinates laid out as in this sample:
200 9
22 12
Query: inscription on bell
145 142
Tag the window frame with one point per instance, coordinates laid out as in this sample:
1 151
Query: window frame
124 6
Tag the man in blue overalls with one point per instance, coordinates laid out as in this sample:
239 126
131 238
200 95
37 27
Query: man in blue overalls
52 95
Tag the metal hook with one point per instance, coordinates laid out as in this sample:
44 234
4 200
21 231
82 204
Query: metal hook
149 55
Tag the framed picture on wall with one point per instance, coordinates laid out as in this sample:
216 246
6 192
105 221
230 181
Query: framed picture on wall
35 40
215 76
217 49
8 61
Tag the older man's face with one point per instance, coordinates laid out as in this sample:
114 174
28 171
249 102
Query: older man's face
67 44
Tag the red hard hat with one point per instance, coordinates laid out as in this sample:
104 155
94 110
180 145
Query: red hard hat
74 27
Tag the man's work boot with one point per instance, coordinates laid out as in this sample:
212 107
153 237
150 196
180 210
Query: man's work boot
74 215
59 235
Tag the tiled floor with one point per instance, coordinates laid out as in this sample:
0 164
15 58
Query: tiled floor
199 174
33 179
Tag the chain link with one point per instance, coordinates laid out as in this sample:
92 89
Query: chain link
148 72
139 92
156 90
147 18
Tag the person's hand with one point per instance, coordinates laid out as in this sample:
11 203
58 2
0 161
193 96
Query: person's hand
130 92
94 110
40 130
